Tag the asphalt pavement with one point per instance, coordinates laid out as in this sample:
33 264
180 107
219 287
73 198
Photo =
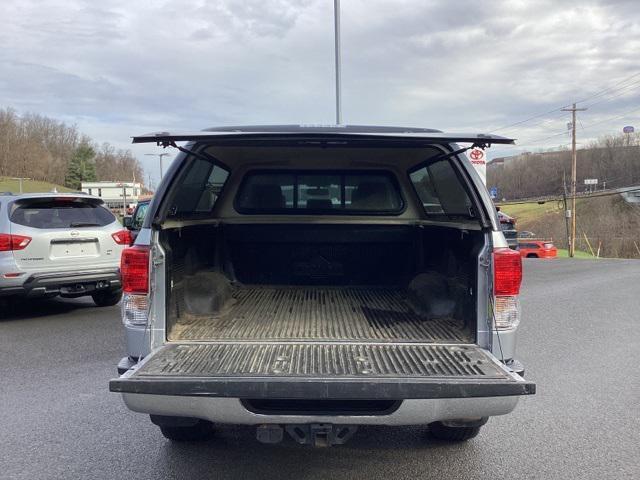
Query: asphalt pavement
579 340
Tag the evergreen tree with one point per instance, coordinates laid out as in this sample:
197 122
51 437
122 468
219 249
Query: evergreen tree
82 167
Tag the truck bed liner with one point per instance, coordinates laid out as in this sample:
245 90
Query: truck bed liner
319 313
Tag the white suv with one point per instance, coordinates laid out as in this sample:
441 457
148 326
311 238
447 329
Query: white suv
60 244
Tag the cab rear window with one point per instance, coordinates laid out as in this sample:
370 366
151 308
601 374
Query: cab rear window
60 213
334 193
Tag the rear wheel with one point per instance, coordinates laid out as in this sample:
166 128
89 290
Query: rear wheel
202 430
107 298
455 431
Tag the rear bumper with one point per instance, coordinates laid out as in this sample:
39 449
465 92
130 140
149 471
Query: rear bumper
232 411
69 284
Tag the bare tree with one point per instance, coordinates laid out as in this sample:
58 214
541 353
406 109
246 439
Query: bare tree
41 148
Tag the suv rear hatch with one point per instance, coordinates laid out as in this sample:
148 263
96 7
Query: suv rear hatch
65 233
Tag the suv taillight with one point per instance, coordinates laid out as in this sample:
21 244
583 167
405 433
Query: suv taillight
507 277
10 242
134 268
122 237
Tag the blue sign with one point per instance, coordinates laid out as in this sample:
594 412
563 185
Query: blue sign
628 129
493 192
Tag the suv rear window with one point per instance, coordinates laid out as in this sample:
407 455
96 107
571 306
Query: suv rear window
60 213
367 193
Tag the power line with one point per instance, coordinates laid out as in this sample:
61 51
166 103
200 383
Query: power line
528 119
585 127
620 93
612 118
546 120
540 140
603 92
559 109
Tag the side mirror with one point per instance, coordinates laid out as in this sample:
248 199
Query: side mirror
127 222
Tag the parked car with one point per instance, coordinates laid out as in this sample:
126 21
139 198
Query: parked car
538 249
134 222
60 244
309 280
526 234
508 227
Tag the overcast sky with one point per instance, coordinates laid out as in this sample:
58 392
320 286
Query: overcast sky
119 67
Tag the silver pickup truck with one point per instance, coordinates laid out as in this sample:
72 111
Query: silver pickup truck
311 279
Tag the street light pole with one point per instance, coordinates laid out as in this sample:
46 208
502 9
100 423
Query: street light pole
336 15
159 155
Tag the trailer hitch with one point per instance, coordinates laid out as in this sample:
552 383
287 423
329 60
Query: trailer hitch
313 434
321 434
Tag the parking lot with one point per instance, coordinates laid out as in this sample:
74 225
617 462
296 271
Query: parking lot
579 340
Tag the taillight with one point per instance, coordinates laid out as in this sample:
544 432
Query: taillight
507 277
507 268
10 242
122 237
134 268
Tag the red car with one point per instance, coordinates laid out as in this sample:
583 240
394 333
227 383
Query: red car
538 249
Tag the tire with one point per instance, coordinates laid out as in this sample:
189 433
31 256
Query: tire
201 431
107 299
441 431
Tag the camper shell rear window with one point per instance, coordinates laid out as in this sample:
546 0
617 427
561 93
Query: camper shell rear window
319 192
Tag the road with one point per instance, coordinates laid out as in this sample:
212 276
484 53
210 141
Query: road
579 341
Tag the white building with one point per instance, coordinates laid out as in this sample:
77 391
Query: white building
114 194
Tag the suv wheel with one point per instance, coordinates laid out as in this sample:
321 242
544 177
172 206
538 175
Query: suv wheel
455 431
202 430
107 298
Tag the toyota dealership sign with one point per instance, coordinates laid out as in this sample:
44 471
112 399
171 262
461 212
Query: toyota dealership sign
479 161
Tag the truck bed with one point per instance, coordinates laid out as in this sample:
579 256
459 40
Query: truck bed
308 313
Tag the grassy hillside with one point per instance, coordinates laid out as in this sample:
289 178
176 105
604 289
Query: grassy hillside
531 211
605 223
29 186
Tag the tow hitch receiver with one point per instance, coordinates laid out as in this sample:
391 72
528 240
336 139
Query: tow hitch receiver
321 434
314 434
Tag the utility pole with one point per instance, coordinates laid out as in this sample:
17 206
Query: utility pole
573 110
566 210
336 17
159 155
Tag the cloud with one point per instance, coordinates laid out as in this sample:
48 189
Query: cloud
118 68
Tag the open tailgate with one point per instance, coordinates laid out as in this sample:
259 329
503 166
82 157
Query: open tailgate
322 371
